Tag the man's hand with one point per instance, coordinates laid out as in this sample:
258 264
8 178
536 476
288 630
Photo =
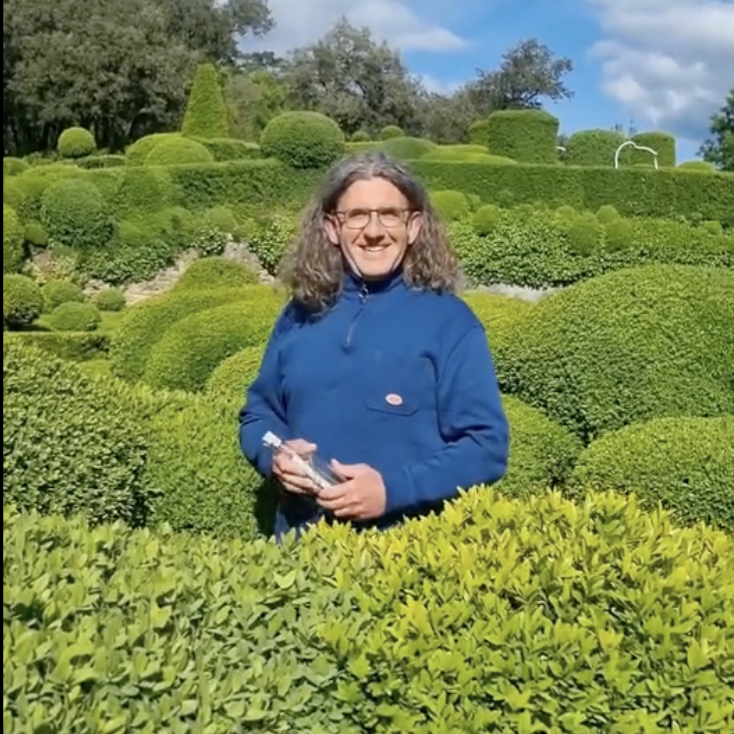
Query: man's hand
362 496
288 472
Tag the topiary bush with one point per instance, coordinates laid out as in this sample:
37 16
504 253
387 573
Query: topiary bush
35 234
503 615
76 142
404 148
22 301
629 346
268 237
12 241
206 113
75 214
69 445
499 314
526 136
662 143
143 190
56 292
73 316
702 166
110 300
486 219
391 131
450 205
607 213
216 272
619 234
178 151
303 140
361 136
14 166
145 323
687 464
593 147
478 133
585 234
230 380
137 153
190 350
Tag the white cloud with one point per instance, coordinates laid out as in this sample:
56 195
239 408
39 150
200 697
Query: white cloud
669 62
431 84
301 22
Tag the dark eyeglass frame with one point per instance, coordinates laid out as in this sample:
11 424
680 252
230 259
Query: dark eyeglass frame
400 217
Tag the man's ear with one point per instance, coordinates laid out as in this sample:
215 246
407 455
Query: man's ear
415 224
331 231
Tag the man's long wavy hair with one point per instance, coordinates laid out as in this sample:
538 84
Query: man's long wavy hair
313 268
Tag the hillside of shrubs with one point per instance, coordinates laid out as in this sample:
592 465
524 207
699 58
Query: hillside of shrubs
590 590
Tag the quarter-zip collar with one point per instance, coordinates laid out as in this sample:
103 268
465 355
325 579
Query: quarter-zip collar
355 285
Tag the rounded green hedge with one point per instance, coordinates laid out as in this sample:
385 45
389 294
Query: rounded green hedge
391 131
14 166
56 292
12 240
662 143
178 151
406 149
478 134
110 300
216 272
450 205
303 140
69 445
486 219
73 316
526 136
191 349
137 153
703 166
75 214
499 315
629 346
593 147
22 301
145 323
585 234
143 190
206 112
361 136
76 142
230 380
685 463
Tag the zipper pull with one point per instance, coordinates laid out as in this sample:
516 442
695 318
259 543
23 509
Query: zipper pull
365 293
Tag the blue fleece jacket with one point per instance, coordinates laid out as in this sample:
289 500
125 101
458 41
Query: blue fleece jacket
395 377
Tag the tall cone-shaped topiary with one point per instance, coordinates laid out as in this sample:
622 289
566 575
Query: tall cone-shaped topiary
206 113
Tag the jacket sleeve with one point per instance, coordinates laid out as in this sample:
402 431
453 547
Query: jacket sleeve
473 424
264 408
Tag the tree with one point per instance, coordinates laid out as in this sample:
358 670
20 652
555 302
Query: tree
719 149
528 73
354 80
206 115
253 99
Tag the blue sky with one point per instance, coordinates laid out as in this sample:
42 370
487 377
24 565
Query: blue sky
659 64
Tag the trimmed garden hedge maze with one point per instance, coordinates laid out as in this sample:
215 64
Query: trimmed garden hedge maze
590 590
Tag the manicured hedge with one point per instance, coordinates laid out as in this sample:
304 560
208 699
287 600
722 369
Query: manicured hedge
56 292
12 240
73 316
75 346
22 301
230 380
527 136
685 463
215 272
206 112
303 140
641 343
501 615
499 314
592 147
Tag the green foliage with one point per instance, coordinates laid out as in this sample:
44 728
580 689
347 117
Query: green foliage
138 152
12 240
361 137
35 234
101 161
619 235
73 316
206 114
499 314
607 214
702 166
405 148
303 140
593 147
719 147
22 301
391 131
69 445
585 234
685 463
215 272
542 453
479 132
191 349
177 151
486 219
14 166
662 143
450 205
144 324
75 214
56 292
143 190
501 615
526 136
230 149
72 346
230 380
654 341
76 142
268 237
110 300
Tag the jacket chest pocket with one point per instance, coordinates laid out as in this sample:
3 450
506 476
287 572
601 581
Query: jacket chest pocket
402 389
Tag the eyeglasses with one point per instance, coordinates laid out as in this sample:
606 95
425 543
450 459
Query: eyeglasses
389 217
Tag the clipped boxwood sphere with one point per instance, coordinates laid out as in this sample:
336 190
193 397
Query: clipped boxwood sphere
56 292
585 234
607 213
178 151
76 142
216 272
303 140
361 137
234 375
685 463
22 301
12 240
136 154
702 166
110 300
450 205
407 148
486 219
75 214
619 234
391 131
191 349
73 316
632 345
